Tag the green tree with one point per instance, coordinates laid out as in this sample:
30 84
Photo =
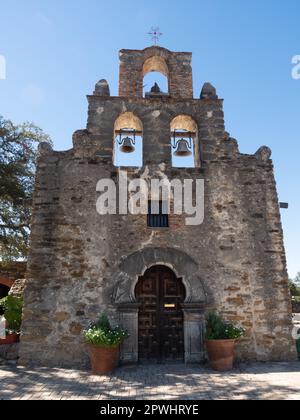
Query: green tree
295 286
295 291
297 280
18 150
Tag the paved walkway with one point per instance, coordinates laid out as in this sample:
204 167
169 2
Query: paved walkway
177 382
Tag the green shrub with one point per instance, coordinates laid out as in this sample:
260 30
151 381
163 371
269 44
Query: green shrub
217 329
12 307
102 334
294 289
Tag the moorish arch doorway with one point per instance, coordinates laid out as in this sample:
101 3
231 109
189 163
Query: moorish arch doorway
160 295
196 297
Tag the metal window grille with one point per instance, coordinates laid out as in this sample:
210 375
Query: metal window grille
157 215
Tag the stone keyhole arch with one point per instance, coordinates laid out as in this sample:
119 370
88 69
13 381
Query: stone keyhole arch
127 275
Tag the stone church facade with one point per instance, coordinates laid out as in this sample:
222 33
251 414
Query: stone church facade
158 281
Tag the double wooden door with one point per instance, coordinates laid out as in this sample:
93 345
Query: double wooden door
160 332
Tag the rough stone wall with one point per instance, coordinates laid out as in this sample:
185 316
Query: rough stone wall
9 272
76 254
15 270
131 72
18 288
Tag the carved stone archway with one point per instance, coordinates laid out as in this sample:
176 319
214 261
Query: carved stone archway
6 282
197 298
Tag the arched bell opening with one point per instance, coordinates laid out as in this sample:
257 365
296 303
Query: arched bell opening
185 142
128 141
155 78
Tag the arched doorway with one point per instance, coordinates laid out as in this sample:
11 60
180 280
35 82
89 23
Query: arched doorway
5 285
4 290
160 295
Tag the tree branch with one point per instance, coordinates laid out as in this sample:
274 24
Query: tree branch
15 227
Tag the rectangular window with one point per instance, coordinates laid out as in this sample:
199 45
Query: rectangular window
157 217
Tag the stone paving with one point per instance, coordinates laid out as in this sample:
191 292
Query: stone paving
175 382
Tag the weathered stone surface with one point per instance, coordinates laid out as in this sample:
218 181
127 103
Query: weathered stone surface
12 276
82 263
18 288
102 88
44 149
208 92
13 270
134 65
264 153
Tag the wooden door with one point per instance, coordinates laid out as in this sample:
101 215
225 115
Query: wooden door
161 336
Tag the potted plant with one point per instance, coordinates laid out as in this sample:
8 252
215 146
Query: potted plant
12 308
220 342
103 343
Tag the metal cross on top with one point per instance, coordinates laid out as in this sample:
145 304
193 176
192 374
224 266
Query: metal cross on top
155 34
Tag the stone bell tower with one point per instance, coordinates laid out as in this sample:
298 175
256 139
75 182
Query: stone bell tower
134 65
153 273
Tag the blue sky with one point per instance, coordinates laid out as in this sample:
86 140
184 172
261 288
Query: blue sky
57 50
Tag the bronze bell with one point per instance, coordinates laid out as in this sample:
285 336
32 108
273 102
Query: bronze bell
127 146
183 149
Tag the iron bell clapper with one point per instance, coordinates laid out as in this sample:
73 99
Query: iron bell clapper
127 143
183 147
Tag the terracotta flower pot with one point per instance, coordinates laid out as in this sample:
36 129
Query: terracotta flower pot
221 354
10 339
103 359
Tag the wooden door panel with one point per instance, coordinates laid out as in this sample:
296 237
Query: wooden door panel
160 295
